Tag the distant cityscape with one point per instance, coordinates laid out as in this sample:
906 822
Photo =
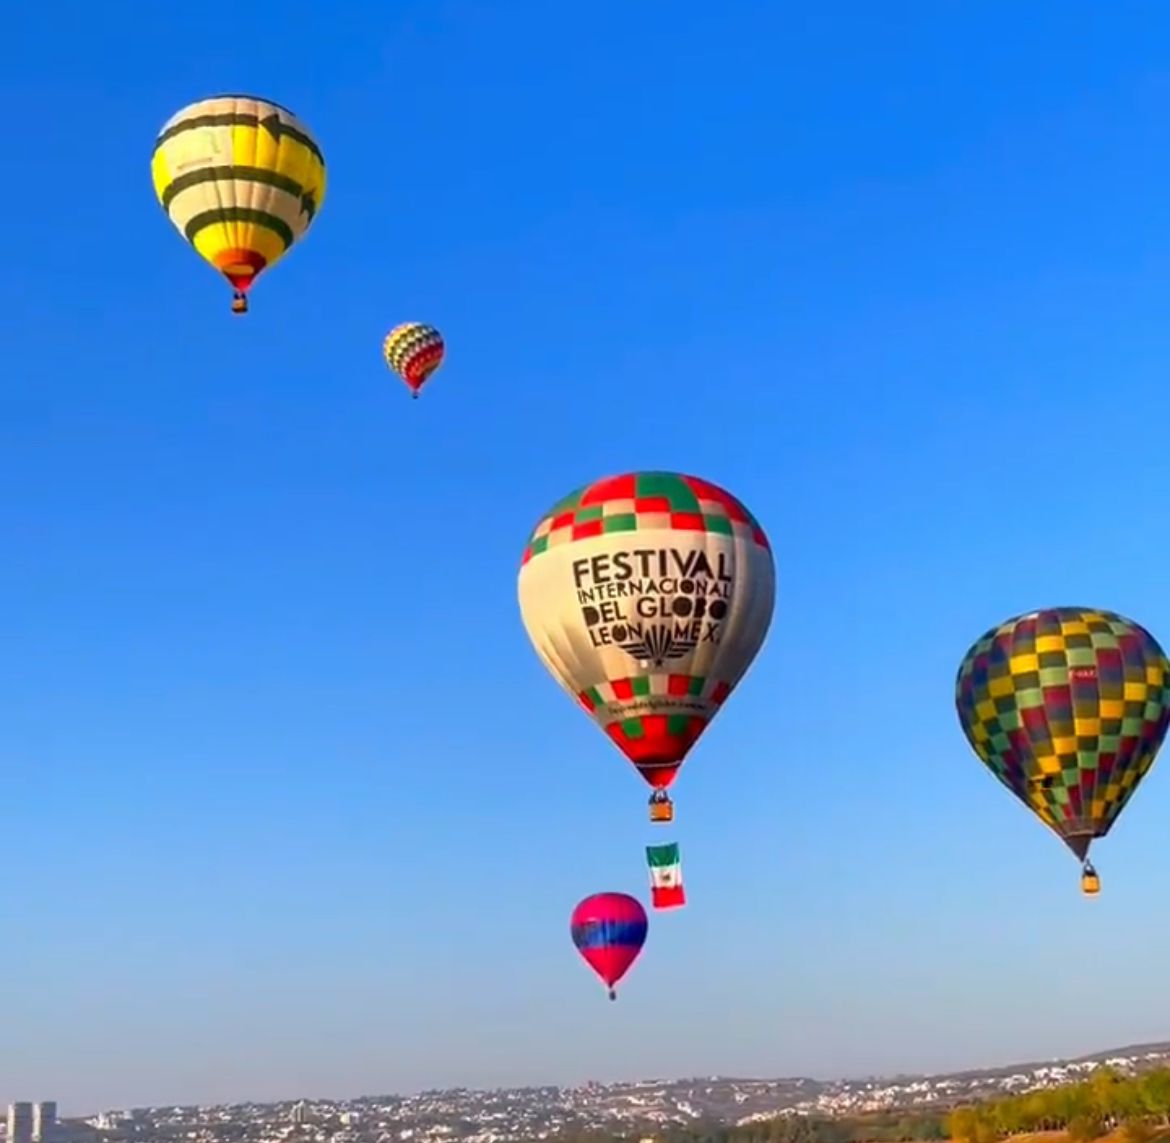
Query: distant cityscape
642 1109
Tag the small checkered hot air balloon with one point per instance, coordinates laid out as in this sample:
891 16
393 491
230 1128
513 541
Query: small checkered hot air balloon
647 596
1067 708
414 351
242 179
609 930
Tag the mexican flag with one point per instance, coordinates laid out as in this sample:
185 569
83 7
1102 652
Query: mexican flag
666 887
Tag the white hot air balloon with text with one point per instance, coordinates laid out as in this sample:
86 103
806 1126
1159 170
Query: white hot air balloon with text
647 596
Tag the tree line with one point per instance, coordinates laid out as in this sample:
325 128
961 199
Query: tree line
1104 1102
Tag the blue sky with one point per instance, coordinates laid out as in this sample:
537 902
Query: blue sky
291 807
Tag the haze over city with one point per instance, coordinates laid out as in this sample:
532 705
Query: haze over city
292 808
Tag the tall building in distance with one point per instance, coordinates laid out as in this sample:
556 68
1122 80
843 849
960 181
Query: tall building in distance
20 1123
44 1122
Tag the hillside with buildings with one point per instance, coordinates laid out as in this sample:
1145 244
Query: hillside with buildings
643 1107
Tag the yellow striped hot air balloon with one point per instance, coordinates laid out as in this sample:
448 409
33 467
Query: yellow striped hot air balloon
414 350
242 179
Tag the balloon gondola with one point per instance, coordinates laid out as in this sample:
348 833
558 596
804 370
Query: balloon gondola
1090 882
661 807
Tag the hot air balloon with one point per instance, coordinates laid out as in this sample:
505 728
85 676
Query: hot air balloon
609 930
1067 708
414 351
242 179
647 596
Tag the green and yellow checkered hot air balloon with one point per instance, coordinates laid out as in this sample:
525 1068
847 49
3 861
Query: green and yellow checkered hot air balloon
1067 708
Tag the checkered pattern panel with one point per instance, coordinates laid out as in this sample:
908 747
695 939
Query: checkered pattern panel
639 501
413 350
1067 708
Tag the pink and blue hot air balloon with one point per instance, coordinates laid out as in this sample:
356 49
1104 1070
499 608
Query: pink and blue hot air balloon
609 930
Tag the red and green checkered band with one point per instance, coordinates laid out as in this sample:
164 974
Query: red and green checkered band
656 743
639 501
615 691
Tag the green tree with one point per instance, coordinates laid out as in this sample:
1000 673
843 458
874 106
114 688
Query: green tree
1155 1093
1035 1111
1006 1114
985 1128
961 1124
1136 1130
1104 1085
1084 1128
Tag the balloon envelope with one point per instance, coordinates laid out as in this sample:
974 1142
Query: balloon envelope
609 930
647 596
1067 707
241 178
414 351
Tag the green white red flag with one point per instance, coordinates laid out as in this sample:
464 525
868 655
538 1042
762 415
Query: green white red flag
666 887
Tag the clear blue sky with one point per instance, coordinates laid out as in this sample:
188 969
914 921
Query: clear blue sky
291 807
